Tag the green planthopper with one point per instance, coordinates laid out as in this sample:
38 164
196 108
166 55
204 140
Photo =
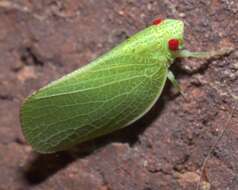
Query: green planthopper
109 93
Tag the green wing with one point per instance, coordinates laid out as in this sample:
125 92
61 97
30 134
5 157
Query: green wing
104 96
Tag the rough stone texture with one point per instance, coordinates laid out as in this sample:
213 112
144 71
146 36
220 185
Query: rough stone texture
41 40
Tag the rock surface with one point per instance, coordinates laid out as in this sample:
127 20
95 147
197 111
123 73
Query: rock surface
41 40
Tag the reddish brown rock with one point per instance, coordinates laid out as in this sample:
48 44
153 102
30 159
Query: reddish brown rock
41 40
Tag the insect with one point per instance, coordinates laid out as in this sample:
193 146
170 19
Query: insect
108 94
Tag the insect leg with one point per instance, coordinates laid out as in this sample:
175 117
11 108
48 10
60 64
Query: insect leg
207 55
173 80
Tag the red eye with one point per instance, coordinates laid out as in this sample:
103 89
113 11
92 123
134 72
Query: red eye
173 44
157 21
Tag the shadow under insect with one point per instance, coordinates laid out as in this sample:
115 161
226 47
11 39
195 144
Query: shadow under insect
43 166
